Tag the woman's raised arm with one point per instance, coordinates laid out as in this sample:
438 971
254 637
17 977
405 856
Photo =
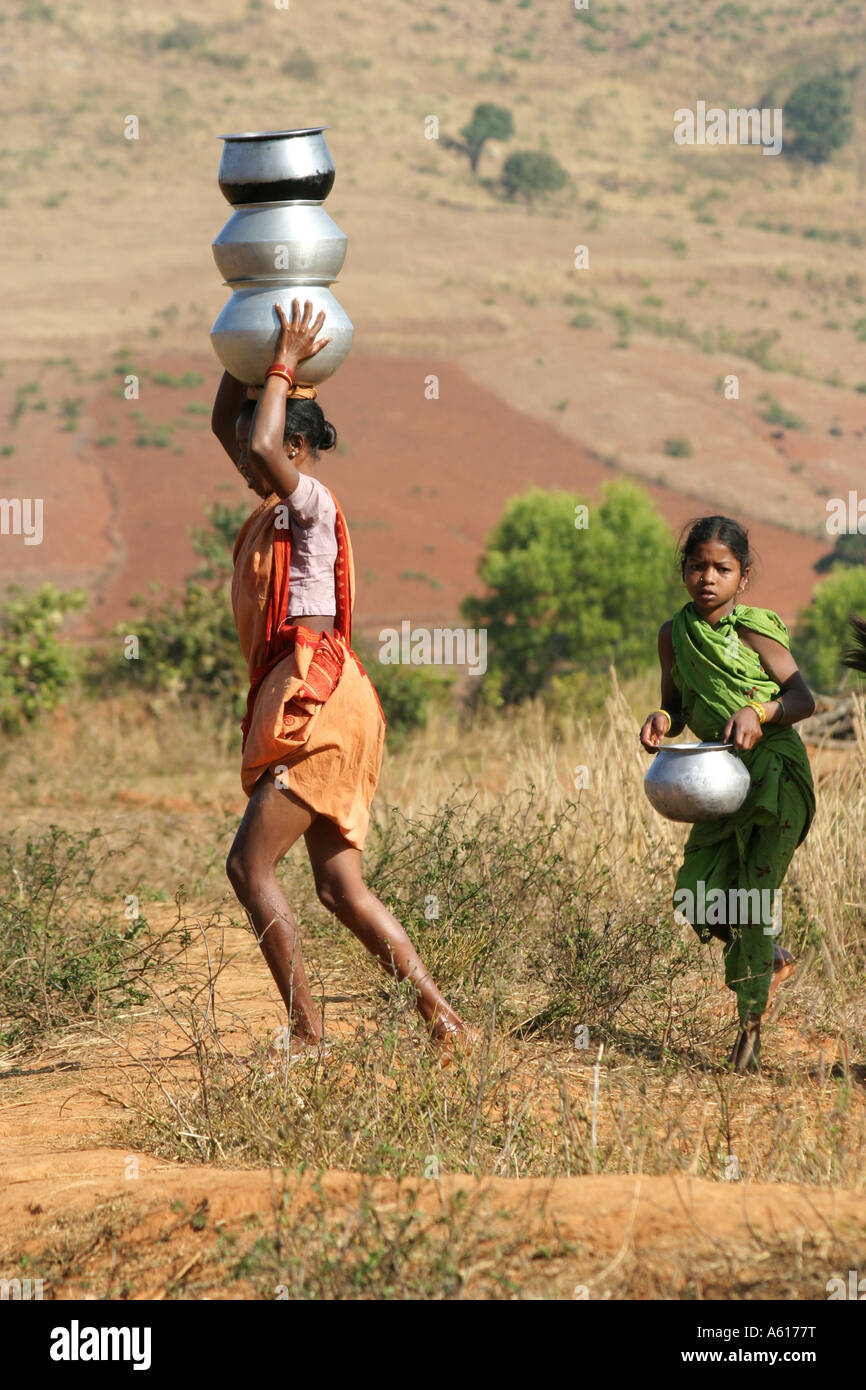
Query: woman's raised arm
229 398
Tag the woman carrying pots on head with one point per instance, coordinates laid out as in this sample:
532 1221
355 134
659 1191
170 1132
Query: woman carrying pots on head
728 673
314 731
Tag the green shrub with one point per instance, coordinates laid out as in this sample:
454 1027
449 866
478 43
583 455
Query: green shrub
848 549
68 950
225 60
531 173
187 645
776 414
187 641
154 435
678 245
186 34
185 379
36 668
679 447
819 111
463 886
822 630
406 693
562 599
300 66
69 410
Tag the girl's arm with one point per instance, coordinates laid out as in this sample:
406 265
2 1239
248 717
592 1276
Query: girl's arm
654 729
795 700
230 396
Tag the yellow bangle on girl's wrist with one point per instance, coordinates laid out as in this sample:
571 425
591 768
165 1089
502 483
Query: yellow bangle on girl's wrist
759 710
667 717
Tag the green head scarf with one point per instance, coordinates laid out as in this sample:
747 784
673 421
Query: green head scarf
715 671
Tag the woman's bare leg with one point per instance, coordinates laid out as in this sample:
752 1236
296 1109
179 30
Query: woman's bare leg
341 888
273 821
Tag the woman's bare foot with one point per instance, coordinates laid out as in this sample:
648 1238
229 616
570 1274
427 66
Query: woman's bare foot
451 1038
784 966
746 1052
297 1047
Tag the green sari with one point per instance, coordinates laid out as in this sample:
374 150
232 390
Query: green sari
717 674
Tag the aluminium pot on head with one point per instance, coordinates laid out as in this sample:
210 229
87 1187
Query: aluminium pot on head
295 241
276 166
245 334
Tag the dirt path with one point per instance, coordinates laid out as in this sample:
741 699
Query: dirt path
674 1222
110 1221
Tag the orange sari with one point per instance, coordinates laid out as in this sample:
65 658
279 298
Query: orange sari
313 720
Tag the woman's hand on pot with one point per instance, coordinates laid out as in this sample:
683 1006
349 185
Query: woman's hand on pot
297 340
743 729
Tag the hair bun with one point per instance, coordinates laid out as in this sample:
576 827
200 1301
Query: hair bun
329 436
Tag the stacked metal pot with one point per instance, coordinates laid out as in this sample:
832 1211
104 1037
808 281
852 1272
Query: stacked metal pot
278 245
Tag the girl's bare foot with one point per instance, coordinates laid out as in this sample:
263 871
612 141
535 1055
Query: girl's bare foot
784 966
746 1052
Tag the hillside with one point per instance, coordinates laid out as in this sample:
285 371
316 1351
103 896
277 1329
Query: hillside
703 262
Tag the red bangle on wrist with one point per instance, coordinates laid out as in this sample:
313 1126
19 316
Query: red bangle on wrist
280 369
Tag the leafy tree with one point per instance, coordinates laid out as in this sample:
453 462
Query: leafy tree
489 122
562 599
848 549
187 641
530 173
819 110
822 629
36 668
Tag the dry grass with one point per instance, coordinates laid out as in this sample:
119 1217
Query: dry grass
554 916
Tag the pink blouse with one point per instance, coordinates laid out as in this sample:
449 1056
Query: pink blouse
314 549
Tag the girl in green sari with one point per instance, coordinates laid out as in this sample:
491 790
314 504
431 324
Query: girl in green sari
728 673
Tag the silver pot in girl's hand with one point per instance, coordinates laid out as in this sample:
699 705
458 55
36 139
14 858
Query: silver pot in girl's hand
245 334
697 781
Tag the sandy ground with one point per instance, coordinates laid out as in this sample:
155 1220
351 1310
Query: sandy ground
61 1164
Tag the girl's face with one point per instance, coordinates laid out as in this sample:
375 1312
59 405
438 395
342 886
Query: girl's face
713 578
